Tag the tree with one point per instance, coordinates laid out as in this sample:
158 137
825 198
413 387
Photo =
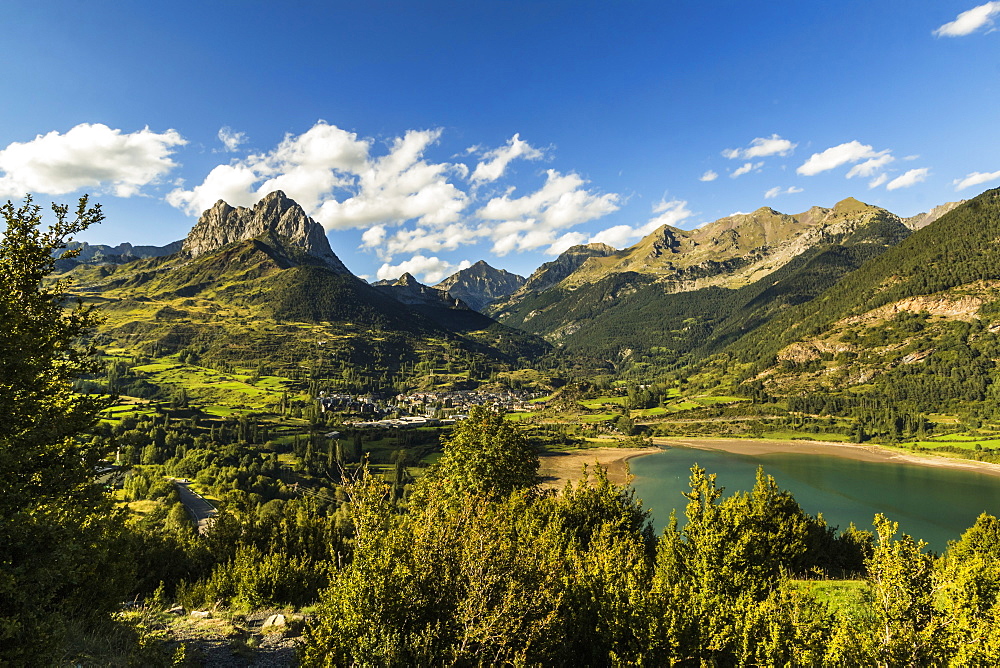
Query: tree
902 626
56 526
486 455
970 573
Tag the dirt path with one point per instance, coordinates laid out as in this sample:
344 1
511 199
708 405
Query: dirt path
868 453
559 467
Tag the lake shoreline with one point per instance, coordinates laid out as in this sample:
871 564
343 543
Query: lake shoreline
869 453
558 468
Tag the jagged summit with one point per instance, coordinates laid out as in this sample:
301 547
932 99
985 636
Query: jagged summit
275 215
481 284
407 279
924 219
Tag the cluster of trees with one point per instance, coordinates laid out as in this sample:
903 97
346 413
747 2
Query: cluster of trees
59 534
481 566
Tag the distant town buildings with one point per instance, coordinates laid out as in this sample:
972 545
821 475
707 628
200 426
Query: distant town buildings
422 409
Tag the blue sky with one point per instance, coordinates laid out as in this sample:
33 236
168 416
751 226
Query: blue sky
428 135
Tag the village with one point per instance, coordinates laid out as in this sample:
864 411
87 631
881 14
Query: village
423 409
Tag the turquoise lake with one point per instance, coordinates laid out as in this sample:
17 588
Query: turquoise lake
933 504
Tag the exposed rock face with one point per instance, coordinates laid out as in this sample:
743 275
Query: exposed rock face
481 284
569 261
738 249
924 219
273 216
412 292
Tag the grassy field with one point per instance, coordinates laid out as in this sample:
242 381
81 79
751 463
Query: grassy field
600 402
221 394
598 417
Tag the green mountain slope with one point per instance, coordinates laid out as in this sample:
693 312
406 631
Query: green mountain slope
643 315
273 305
913 331
957 250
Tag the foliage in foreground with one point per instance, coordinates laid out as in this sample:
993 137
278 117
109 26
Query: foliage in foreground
525 577
578 577
58 536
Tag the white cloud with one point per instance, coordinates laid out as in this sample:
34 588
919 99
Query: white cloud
671 213
428 270
495 162
404 240
373 236
777 190
746 169
870 167
231 139
536 220
910 178
975 178
230 183
708 176
325 161
399 187
970 21
762 147
878 180
618 236
835 156
566 241
404 203
307 167
87 156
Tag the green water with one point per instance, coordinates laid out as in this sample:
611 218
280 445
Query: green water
933 504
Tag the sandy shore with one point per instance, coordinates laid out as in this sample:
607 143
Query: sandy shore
868 453
558 467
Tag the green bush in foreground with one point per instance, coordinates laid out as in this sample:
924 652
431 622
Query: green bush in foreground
59 540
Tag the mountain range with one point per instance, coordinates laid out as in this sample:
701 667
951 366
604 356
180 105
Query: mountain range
851 296
260 288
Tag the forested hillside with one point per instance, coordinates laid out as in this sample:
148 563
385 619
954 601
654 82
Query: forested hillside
600 319
908 333
262 305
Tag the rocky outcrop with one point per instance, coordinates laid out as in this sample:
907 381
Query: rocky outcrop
481 284
742 248
275 217
569 261
924 219
412 292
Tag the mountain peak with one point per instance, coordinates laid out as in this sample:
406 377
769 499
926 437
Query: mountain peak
275 214
850 205
480 285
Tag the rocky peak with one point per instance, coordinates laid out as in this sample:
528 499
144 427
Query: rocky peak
407 279
924 219
569 261
275 215
481 284
665 240
409 290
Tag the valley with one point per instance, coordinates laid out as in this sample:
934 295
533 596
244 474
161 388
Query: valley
252 368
